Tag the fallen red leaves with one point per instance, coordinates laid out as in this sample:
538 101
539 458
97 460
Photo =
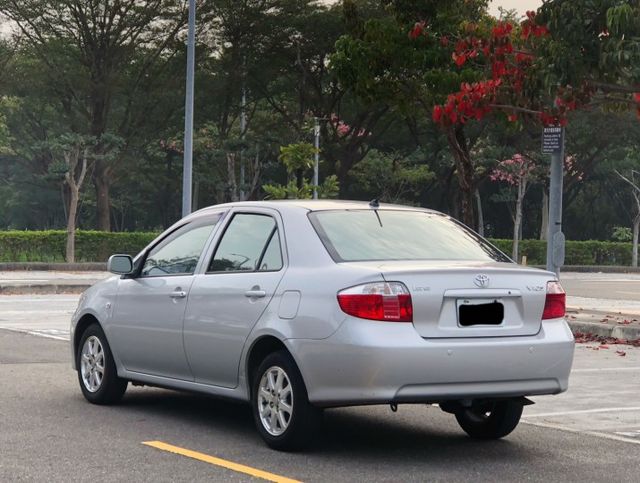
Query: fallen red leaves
605 342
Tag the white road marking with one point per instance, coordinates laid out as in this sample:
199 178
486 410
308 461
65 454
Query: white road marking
583 411
614 437
46 333
629 434
604 369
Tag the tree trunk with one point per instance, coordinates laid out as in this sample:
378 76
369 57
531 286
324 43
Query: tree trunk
255 182
71 224
101 183
480 213
465 172
636 233
231 177
544 221
518 222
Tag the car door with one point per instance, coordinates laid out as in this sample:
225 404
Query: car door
146 326
226 302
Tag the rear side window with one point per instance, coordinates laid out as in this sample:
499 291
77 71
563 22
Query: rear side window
369 235
249 243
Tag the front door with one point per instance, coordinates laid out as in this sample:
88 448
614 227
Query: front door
149 311
227 301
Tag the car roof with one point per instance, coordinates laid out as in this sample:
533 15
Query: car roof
310 205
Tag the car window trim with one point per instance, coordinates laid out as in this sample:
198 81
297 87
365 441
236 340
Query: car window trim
201 221
266 247
217 245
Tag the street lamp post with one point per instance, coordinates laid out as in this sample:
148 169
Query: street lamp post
316 164
187 175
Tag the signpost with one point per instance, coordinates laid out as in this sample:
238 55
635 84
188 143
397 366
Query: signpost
553 144
552 140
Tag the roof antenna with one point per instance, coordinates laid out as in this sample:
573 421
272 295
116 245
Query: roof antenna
375 204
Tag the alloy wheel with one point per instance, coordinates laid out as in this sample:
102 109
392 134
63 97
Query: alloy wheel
275 401
92 364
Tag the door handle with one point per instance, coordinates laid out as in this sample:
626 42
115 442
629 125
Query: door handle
255 294
178 294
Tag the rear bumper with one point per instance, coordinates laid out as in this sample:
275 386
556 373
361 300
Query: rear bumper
368 362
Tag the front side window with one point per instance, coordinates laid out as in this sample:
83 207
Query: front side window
248 244
368 235
179 253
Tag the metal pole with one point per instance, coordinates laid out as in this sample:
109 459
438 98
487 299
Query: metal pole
316 165
187 174
555 239
243 128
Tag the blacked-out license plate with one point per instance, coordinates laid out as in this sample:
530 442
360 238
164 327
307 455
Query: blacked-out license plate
480 312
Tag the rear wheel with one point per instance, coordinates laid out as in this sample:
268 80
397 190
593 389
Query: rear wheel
490 420
97 373
284 417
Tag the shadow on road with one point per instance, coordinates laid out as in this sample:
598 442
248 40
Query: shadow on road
370 434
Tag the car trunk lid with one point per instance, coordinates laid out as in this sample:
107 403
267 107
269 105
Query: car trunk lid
455 299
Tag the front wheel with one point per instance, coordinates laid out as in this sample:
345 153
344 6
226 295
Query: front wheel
284 417
490 420
97 373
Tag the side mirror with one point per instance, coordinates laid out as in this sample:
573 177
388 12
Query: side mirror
120 264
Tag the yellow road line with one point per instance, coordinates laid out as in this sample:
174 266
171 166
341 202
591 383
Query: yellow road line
230 465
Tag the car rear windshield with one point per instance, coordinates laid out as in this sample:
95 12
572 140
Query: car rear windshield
369 235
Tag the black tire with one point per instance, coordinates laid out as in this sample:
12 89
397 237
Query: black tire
491 420
304 420
111 388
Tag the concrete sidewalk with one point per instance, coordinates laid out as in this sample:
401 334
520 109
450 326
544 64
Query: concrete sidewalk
46 282
617 319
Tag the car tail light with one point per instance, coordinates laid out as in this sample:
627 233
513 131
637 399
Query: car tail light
555 303
384 301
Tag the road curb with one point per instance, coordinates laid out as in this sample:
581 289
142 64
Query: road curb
594 269
603 330
52 267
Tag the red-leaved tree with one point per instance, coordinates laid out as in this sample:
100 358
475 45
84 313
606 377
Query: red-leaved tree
512 83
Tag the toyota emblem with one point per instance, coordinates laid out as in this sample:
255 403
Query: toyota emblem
482 281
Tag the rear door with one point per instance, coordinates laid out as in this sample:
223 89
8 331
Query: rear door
244 270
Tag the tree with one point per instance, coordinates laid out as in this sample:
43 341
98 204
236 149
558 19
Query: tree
73 152
392 178
403 60
297 80
519 172
633 180
88 49
297 159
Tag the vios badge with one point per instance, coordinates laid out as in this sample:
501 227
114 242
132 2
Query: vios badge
482 281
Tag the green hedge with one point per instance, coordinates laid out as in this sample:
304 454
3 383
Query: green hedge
96 246
49 246
576 252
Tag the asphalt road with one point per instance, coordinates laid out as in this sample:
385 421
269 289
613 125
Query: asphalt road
602 285
49 433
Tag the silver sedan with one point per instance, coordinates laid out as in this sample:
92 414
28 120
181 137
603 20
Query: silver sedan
296 306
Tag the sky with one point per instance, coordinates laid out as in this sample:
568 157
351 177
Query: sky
520 5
